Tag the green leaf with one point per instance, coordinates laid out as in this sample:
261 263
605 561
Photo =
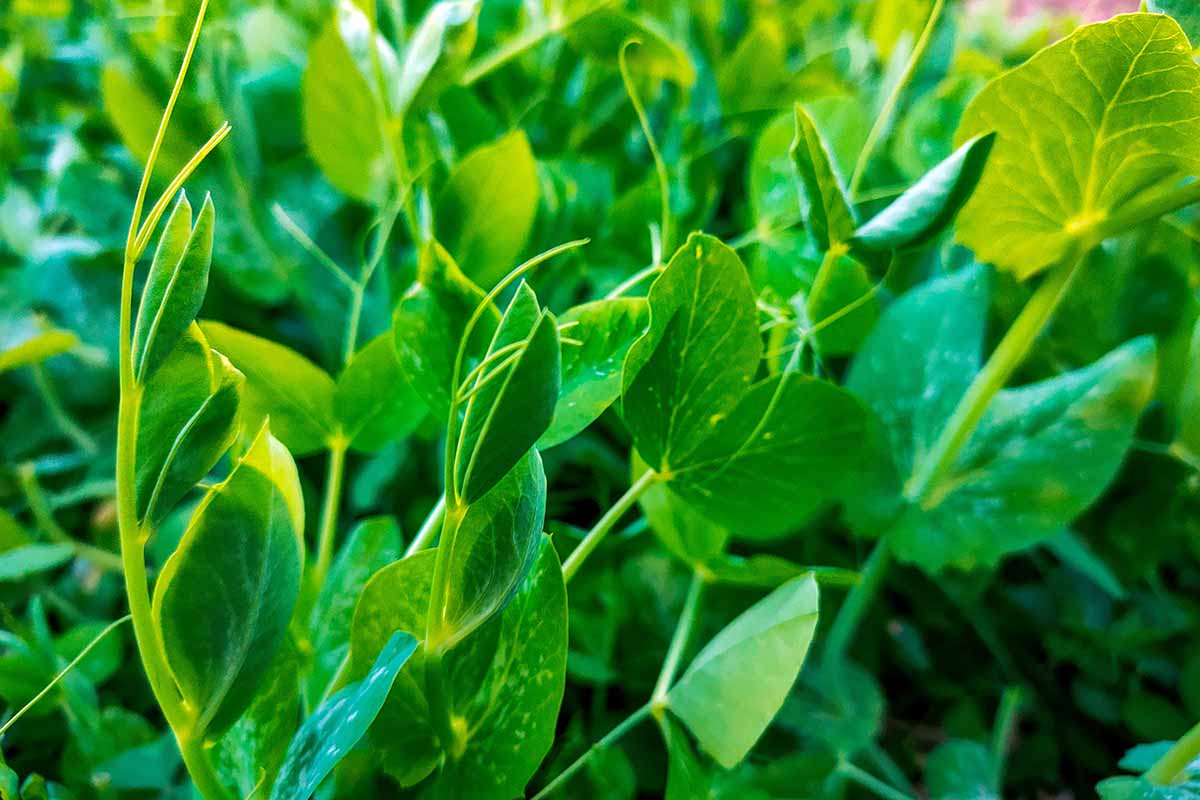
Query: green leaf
248 756
960 770
841 305
674 390
512 398
436 53
1040 456
372 401
135 114
33 346
485 212
602 34
342 122
280 383
730 448
339 723
224 599
687 778
28 560
188 419
370 546
397 597
1127 787
429 322
829 213
837 708
1092 124
591 371
1188 435
493 548
738 682
175 286
686 533
521 689
1185 12
928 207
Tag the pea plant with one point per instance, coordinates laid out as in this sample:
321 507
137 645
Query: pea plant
874 477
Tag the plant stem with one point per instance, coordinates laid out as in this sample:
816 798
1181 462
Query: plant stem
884 120
329 509
857 602
596 535
870 782
1174 761
1007 356
660 166
200 768
1130 217
679 642
615 734
62 417
44 518
1006 718
429 528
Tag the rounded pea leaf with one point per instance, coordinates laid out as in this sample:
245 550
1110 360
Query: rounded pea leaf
600 334
373 402
1091 124
736 685
175 287
281 384
926 208
493 548
224 599
511 399
337 725
487 208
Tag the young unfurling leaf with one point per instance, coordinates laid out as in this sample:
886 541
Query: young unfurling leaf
827 210
175 287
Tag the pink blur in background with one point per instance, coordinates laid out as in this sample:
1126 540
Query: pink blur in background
1088 9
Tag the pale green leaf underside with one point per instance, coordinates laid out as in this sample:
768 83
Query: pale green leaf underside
1087 126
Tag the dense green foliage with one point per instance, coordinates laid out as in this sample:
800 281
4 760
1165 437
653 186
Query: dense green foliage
598 399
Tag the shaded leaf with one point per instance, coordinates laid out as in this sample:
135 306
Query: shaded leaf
373 403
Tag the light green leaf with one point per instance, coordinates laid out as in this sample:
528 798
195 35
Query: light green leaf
33 344
437 53
826 208
1185 12
429 322
370 546
512 398
738 682
927 208
280 383
1039 457
342 119
591 371
28 560
486 210
224 599
1092 124
339 723
1188 435
373 402
521 690
175 286
960 770
188 419
493 549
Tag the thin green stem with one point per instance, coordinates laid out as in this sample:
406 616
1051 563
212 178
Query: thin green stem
884 120
62 673
329 509
660 166
1173 762
312 248
609 740
606 523
62 418
44 517
857 602
490 62
429 528
1006 720
634 279
679 642
1008 355
870 782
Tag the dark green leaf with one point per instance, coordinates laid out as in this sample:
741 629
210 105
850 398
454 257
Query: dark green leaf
687 779
336 726
960 770
928 207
